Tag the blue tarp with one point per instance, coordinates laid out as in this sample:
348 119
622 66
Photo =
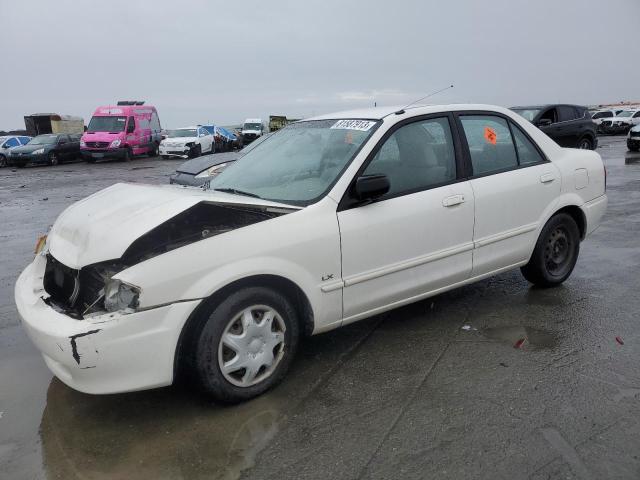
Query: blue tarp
223 132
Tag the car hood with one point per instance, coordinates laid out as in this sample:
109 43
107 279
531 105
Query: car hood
200 164
621 119
30 148
179 140
100 136
102 226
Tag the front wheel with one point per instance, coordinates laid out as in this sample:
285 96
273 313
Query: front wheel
196 151
246 345
632 146
154 151
3 161
53 159
128 155
555 254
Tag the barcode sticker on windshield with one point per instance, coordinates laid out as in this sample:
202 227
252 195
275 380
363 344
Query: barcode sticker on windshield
361 125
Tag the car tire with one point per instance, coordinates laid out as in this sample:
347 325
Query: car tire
555 254
262 361
196 151
128 155
53 159
3 161
585 143
154 151
633 147
165 157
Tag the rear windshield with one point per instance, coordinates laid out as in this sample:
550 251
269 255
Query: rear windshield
107 124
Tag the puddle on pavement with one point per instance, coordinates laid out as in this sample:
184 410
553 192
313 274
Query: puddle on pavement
632 157
169 433
526 338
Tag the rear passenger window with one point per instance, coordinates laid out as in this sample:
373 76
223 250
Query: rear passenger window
566 113
416 156
490 143
528 154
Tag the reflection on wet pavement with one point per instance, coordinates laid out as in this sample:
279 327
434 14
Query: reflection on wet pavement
521 337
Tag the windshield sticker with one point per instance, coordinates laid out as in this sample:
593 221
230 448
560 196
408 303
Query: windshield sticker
360 125
490 135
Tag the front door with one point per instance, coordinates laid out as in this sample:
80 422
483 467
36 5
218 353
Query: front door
514 188
418 237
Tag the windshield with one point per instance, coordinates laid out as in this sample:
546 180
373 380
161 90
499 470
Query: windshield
253 144
299 163
183 132
602 115
43 140
626 113
253 126
528 113
107 124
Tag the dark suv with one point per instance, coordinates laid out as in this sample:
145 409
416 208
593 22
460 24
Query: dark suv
569 125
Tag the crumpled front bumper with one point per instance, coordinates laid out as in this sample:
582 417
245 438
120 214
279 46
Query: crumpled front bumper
110 353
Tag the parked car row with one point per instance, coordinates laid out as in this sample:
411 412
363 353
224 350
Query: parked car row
618 121
47 149
569 125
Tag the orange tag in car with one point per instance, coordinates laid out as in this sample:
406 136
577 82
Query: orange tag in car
490 135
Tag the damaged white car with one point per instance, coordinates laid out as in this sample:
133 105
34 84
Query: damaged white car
333 220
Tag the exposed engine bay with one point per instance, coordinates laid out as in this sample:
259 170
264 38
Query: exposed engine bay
81 292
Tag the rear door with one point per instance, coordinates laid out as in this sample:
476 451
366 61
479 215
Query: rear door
514 185
64 147
418 237
570 125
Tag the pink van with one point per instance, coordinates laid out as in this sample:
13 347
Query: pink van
123 131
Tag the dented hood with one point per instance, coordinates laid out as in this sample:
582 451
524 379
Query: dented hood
102 226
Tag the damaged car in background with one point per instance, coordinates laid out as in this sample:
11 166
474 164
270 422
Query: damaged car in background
200 171
329 222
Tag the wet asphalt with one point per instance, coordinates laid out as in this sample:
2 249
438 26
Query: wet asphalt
493 380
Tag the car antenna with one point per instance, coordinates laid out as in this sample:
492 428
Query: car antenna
401 111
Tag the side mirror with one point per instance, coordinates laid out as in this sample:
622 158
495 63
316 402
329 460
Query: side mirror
544 122
370 187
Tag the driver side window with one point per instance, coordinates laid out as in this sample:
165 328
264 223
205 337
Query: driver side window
415 157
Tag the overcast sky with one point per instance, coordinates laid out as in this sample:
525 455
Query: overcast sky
203 61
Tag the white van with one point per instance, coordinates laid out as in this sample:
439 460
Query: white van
252 129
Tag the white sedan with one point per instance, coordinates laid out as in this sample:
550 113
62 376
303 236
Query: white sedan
188 142
331 221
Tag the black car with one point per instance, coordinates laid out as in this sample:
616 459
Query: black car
569 125
49 149
201 170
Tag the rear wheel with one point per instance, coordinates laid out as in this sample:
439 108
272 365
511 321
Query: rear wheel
585 143
3 161
246 344
53 159
555 254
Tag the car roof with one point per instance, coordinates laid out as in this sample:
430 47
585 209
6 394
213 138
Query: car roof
378 113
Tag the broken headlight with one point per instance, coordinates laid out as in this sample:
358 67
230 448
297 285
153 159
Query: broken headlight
120 296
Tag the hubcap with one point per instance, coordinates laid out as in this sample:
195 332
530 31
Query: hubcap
557 252
585 145
251 346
